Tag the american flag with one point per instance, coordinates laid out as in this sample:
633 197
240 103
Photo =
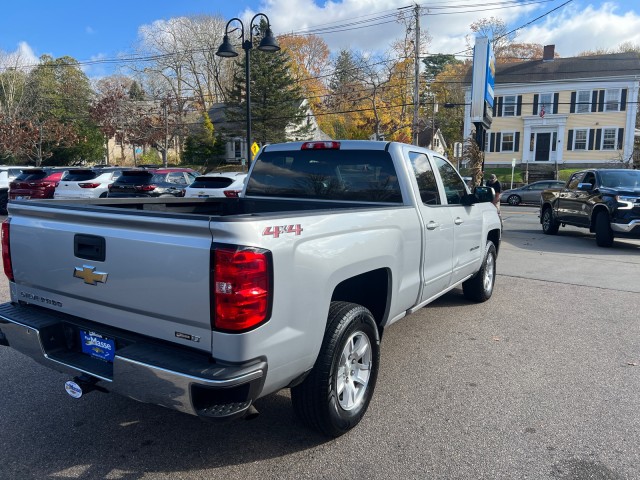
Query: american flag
542 111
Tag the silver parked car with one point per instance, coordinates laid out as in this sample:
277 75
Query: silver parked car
529 193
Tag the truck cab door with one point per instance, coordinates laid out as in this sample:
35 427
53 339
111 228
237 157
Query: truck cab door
468 244
569 206
437 234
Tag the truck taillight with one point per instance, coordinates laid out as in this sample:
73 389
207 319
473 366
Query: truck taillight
6 251
320 146
241 287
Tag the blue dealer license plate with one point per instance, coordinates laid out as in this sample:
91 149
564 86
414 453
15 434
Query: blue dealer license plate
98 346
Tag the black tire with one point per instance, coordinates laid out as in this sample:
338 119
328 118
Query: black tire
317 401
550 225
514 200
479 288
604 234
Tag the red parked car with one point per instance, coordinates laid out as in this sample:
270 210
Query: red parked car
35 183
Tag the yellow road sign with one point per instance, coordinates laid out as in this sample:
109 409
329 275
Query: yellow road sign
254 149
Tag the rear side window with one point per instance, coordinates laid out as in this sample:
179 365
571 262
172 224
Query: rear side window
134 178
79 175
212 182
350 175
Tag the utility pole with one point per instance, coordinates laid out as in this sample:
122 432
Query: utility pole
166 135
416 79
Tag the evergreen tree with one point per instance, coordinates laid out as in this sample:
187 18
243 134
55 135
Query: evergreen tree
202 147
276 99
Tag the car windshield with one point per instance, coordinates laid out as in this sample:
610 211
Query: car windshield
620 178
79 175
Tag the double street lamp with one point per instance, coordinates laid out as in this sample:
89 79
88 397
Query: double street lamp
267 44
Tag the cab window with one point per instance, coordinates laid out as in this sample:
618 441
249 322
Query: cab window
454 187
426 179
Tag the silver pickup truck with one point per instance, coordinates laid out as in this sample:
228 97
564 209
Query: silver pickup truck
205 305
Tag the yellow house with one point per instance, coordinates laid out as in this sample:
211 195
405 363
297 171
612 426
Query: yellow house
563 112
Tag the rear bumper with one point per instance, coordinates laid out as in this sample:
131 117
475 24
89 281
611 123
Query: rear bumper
143 370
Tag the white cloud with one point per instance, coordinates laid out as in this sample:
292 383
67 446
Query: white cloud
578 29
23 56
572 29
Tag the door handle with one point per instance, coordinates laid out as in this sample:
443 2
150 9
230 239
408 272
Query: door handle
458 221
432 225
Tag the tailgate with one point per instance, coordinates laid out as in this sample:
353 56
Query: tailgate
141 272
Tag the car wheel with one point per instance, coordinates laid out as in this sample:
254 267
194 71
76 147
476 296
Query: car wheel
480 287
604 234
335 395
514 200
550 225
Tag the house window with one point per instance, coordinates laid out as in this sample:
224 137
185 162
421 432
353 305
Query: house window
506 144
609 138
546 102
580 139
436 142
612 100
509 106
237 149
583 104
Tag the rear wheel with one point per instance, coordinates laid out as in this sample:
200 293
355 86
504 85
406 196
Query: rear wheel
604 234
550 225
514 200
335 395
480 287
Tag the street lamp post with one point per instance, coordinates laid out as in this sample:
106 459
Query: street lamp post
267 44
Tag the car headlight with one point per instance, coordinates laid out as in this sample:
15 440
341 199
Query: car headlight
626 202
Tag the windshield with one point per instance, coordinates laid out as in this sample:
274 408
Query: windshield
356 175
620 179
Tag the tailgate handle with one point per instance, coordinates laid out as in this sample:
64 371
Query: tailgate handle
89 247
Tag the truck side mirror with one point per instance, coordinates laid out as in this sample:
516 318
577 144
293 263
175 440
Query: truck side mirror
484 194
479 195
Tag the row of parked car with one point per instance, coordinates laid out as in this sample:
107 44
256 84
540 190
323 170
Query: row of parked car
22 183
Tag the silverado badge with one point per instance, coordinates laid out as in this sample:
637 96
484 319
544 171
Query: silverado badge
89 275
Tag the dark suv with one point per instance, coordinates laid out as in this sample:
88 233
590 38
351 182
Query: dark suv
163 182
35 183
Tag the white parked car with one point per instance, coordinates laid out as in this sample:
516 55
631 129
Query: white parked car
87 183
221 184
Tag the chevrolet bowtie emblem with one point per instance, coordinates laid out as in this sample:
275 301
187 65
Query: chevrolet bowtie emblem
89 275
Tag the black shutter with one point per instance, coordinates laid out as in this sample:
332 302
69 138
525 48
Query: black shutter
572 108
556 100
492 143
499 107
535 104
620 138
570 140
499 142
598 135
594 101
554 141
519 106
623 100
516 142
531 141
592 136
601 101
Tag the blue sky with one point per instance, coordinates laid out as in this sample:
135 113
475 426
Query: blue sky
88 30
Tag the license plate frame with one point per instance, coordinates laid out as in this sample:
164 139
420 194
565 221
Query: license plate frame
98 346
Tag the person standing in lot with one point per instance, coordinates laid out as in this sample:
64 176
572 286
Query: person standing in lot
497 188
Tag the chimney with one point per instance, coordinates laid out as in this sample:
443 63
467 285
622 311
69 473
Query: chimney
548 53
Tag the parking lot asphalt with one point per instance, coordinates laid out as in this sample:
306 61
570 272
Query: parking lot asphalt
540 382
